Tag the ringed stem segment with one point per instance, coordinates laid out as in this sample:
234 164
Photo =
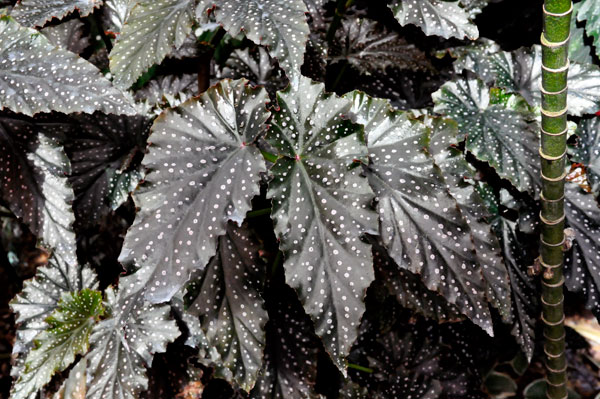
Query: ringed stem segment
555 67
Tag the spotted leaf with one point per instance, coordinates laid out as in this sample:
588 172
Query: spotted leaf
516 257
410 291
368 46
115 13
409 361
167 91
582 271
280 25
34 184
203 170
589 11
67 335
124 343
456 172
419 222
587 151
68 35
102 149
503 137
41 296
74 386
291 354
256 66
153 28
520 72
435 17
320 210
38 12
231 308
38 77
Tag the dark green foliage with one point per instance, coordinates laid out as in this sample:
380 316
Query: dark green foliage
293 198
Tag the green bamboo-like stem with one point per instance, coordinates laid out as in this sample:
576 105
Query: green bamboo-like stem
555 66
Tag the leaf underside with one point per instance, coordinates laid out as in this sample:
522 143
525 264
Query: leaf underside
34 186
68 35
231 308
203 170
320 210
101 148
290 363
419 222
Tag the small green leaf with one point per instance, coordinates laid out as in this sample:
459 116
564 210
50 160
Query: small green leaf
69 328
500 385
578 50
589 11
42 294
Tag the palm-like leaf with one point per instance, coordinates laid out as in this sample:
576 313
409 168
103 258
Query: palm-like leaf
419 221
320 209
230 307
203 170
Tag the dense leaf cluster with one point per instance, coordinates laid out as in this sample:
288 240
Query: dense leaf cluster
308 198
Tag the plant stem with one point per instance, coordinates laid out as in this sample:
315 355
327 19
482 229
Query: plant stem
205 60
555 65
339 76
360 368
340 10
257 213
